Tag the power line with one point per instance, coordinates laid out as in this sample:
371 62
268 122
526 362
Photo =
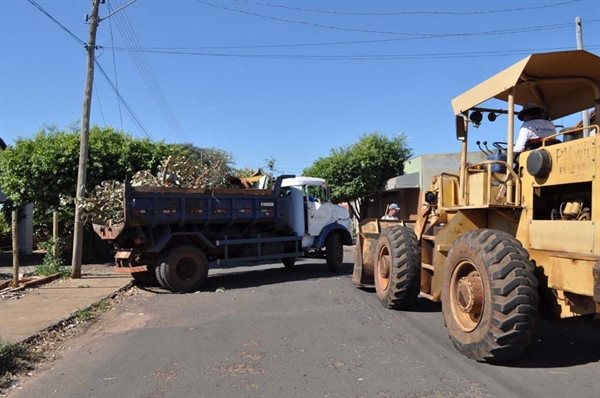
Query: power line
132 114
143 66
434 35
112 43
39 7
407 12
496 53
337 43
99 104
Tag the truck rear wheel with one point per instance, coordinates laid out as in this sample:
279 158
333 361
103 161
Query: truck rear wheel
489 296
397 270
334 253
183 269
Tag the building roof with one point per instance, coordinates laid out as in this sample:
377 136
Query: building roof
411 180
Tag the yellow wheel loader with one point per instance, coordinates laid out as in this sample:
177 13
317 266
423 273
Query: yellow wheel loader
504 241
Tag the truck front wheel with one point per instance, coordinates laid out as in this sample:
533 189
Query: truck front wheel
397 270
334 253
489 296
183 269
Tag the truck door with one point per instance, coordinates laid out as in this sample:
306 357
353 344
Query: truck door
318 209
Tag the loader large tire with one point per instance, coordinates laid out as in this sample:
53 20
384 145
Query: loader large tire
489 296
183 269
334 253
397 270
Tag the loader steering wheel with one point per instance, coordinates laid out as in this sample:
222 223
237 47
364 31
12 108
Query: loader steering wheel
501 146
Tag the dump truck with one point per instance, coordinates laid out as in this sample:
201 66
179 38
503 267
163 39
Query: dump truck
502 243
171 236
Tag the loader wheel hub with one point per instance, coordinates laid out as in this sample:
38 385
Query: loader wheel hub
384 267
469 294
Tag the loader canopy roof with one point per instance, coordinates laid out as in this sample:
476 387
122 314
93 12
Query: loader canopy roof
530 79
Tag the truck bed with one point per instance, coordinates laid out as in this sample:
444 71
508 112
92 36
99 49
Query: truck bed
158 206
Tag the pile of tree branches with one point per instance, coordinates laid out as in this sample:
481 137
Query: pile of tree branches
105 204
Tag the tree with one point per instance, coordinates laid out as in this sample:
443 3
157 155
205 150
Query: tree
359 170
43 170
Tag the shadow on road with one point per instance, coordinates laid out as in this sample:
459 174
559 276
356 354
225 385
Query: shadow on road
421 305
248 277
569 343
303 270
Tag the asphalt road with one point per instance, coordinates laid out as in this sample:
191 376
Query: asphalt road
304 332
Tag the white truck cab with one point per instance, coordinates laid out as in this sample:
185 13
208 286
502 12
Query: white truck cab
312 215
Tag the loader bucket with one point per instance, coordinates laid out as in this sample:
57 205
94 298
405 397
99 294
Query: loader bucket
366 249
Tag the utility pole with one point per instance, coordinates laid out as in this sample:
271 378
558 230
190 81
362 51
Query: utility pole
585 116
83 147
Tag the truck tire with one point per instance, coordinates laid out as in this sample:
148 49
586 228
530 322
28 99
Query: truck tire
397 270
489 296
183 269
160 278
146 278
334 253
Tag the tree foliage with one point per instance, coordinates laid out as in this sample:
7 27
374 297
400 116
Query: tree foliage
361 169
43 170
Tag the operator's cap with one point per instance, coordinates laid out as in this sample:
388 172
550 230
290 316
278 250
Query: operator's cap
528 107
394 206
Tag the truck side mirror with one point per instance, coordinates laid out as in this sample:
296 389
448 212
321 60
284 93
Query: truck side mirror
461 128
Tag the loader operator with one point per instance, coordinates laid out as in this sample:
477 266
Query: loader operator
392 212
534 129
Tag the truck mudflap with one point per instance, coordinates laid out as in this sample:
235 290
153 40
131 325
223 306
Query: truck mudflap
108 232
130 270
123 263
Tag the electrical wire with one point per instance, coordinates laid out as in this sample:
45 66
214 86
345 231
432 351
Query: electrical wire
130 111
128 34
497 53
39 7
434 35
145 69
112 43
99 103
336 43
407 12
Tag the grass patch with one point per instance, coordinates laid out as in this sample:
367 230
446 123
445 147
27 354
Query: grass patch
51 264
14 359
91 312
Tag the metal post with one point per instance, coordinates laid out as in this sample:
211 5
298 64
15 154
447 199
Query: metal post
55 232
83 148
15 248
585 116
510 139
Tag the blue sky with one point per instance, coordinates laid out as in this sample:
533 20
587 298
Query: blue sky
254 78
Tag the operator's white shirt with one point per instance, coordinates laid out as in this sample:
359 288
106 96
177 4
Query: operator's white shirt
386 217
532 129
